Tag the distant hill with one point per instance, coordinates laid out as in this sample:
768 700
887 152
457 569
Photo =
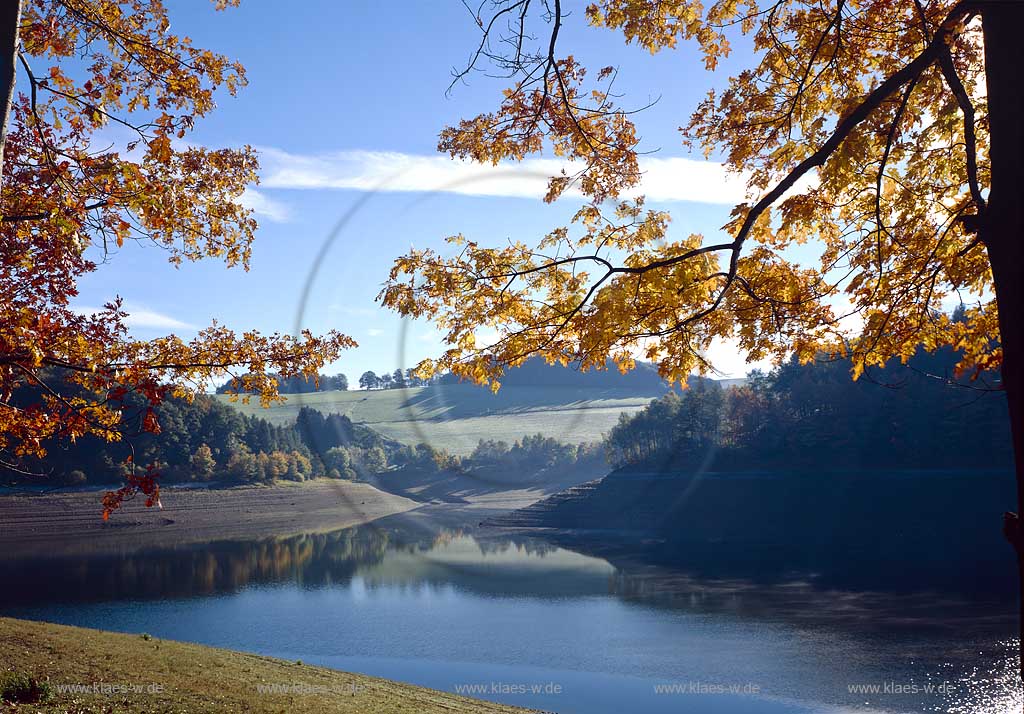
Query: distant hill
535 372
556 401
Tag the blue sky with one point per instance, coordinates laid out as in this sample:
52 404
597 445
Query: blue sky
345 96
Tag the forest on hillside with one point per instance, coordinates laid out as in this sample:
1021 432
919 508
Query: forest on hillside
917 415
206 440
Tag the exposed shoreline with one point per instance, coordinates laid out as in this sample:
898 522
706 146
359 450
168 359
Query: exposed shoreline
69 522
177 676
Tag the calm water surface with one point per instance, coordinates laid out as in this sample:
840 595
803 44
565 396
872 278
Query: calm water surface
523 622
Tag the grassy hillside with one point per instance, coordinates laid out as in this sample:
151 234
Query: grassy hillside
456 416
178 677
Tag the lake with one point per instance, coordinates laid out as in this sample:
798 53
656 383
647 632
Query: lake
524 622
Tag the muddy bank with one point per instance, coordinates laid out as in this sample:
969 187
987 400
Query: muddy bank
70 522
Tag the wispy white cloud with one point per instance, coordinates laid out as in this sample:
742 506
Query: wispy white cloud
263 205
140 317
374 332
665 179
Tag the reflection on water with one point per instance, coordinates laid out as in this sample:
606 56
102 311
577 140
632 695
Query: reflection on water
220 567
312 560
450 610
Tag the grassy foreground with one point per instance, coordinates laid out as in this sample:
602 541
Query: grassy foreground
456 416
192 678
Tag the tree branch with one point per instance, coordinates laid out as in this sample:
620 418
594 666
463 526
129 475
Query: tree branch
970 138
40 216
845 127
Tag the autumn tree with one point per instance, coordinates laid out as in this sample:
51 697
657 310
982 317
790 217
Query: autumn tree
885 133
98 100
202 462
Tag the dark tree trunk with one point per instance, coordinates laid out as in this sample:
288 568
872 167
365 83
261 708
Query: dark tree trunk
10 18
1002 229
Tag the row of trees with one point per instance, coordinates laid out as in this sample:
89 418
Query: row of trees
814 416
523 459
393 380
297 384
533 454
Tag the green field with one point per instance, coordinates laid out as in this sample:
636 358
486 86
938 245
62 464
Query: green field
455 417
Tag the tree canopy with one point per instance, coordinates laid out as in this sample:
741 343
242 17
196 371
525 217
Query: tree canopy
860 128
99 99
